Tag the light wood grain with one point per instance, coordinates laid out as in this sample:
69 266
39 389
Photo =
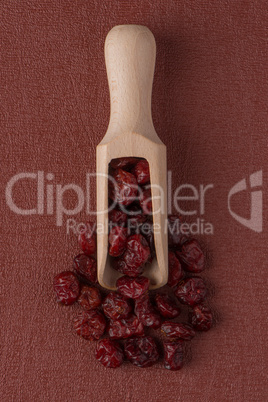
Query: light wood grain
130 60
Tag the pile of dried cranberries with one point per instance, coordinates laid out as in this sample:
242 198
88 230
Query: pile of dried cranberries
123 321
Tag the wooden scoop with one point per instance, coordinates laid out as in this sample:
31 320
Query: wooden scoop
130 59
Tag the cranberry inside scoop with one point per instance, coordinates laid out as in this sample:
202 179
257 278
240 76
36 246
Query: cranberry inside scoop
146 201
148 232
117 241
132 288
135 217
123 187
142 172
123 163
118 217
137 253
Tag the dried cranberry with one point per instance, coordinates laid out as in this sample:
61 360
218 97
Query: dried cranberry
90 324
116 306
201 318
109 353
175 237
117 240
85 267
174 330
138 251
136 217
191 291
124 190
141 352
132 287
67 288
142 171
166 307
125 328
90 298
173 359
119 265
146 201
147 230
131 265
137 254
118 217
192 256
146 313
175 272
87 239
123 163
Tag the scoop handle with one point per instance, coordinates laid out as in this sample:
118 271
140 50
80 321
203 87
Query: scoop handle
130 60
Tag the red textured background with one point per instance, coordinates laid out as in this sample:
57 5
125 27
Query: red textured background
210 108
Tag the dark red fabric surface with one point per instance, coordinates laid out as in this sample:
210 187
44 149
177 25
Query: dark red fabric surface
210 109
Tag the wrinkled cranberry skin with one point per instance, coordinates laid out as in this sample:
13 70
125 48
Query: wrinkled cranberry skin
166 307
175 272
87 239
137 254
125 328
117 240
135 217
147 231
141 352
138 251
131 265
201 318
132 288
192 256
175 237
116 306
85 267
146 313
120 265
109 353
125 190
191 291
90 324
142 171
66 287
90 298
117 217
123 163
174 330
173 355
146 201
